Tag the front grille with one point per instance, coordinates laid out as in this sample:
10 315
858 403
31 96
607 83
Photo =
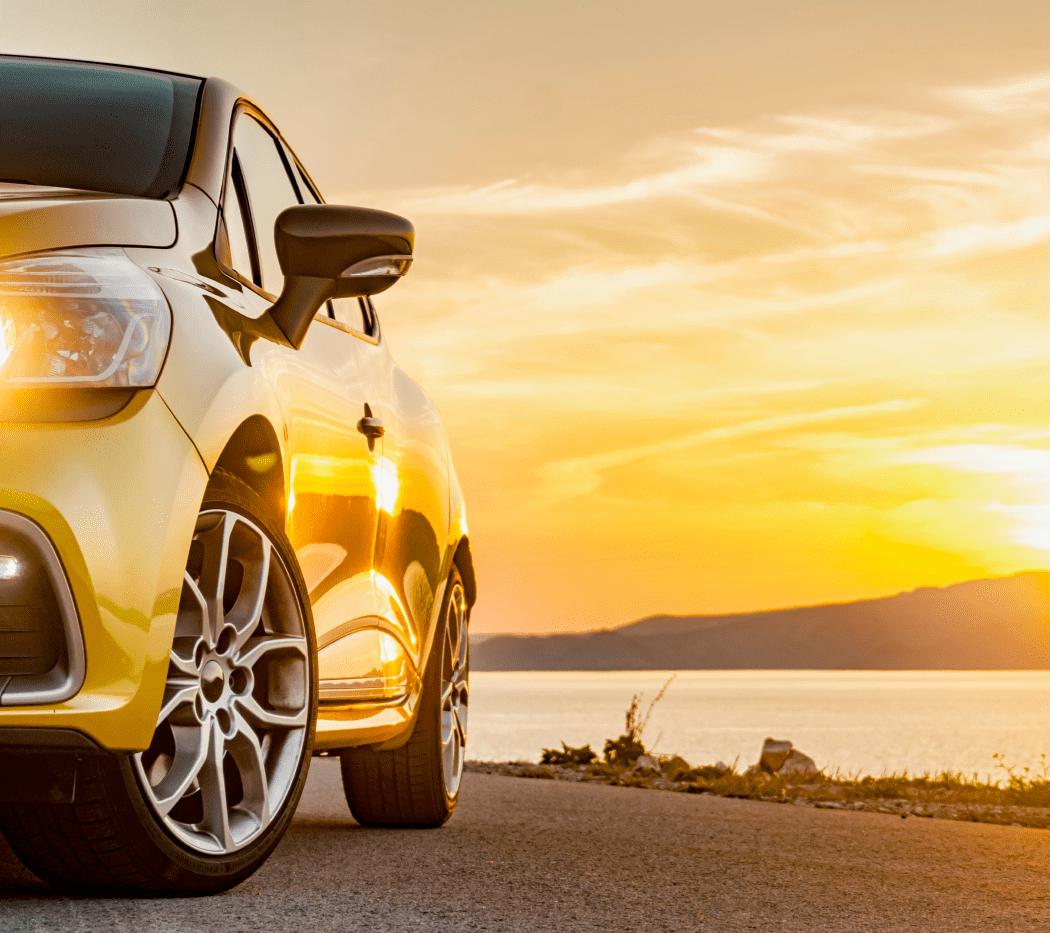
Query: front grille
41 648
28 643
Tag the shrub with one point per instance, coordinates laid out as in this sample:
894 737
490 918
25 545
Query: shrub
703 773
583 755
628 748
624 751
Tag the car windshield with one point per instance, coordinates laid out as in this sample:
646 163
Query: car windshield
99 127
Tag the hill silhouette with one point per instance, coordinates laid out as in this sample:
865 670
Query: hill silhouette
1002 623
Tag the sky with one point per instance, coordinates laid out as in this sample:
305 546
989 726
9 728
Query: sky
726 306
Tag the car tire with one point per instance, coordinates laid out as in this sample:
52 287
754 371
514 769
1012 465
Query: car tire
417 785
143 822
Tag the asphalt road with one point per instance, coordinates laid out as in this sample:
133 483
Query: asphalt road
550 855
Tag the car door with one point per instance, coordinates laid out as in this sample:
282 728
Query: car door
411 541
379 657
324 393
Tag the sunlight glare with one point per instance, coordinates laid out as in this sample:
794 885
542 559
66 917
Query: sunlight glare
387 485
7 339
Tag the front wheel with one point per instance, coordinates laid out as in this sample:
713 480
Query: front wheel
418 784
208 801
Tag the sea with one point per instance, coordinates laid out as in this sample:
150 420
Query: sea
853 722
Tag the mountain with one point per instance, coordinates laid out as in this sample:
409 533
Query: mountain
1001 623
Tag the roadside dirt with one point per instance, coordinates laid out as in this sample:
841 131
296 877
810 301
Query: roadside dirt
911 802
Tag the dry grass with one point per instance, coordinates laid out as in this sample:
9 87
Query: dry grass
946 787
1018 798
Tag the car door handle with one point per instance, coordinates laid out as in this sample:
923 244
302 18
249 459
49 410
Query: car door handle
371 427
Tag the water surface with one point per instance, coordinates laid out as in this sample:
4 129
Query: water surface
872 722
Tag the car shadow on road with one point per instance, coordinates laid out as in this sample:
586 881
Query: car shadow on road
300 826
18 883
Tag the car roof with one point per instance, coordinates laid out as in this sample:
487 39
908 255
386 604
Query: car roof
14 56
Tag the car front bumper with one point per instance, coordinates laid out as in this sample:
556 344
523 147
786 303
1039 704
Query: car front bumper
118 500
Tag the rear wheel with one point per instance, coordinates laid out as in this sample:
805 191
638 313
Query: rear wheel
418 784
208 801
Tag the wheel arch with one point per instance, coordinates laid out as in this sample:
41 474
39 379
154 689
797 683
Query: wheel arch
253 454
464 561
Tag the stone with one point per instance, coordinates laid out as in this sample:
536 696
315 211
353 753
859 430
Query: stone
674 766
797 763
646 763
774 754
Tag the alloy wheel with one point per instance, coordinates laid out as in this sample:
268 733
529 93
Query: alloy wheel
454 691
236 709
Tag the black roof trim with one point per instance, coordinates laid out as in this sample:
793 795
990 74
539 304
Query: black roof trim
14 56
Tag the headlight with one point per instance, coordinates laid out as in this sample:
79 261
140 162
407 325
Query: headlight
81 318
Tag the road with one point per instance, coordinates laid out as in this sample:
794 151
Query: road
549 855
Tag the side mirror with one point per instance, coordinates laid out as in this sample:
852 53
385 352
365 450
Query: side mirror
327 251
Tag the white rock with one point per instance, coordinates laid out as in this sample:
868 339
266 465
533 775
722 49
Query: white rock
797 763
646 763
774 754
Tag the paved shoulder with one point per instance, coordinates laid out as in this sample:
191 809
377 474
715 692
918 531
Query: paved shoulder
551 855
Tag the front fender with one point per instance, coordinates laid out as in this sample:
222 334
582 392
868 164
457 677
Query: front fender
215 379
118 499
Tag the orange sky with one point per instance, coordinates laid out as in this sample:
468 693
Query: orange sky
726 306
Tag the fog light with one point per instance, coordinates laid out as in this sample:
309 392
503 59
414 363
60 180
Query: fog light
10 568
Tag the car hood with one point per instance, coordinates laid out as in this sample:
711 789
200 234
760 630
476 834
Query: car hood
34 218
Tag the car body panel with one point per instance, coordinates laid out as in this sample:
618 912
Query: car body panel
412 560
127 598
63 219
332 470
207 166
375 530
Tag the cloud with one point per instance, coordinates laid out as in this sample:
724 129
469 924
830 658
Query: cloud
567 478
707 161
709 166
982 238
875 194
835 134
881 253
1030 92
1027 469
1024 464
1030 523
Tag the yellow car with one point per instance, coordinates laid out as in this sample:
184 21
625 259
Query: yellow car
231 536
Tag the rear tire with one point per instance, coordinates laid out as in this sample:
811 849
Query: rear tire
417 785
206 804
